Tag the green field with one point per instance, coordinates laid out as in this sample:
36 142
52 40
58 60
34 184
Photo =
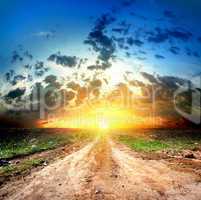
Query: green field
162 140
23 144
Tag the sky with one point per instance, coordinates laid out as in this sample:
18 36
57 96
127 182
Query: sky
158 37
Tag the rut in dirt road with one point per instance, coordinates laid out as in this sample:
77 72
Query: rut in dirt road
105 170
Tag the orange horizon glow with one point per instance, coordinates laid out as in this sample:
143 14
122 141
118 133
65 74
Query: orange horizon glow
102 117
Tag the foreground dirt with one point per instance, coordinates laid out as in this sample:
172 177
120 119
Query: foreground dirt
105 170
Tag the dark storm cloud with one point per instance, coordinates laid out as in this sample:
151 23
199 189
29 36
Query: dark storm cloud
99 41
175 50
13 94
40 69
169 14
63 60
159 56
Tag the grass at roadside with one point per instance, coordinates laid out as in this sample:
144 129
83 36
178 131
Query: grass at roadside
20 168
24 142
23 149
154 144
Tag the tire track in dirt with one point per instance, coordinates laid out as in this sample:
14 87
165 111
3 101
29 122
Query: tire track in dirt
106 170
64 179
151 179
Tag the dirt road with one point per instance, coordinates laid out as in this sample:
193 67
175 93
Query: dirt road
105 170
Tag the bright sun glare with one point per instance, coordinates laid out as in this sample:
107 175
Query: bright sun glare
100 117
103 124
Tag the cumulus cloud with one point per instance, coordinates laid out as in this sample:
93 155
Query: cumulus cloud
13 79
28 55
96 83
99 41
40 68
63 60
149 77
136 42
180 34
50 79
9 75
17 79
161 35
98 66
73 85
13 94
16 57
172 82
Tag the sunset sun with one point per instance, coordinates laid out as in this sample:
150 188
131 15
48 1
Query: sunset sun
103 124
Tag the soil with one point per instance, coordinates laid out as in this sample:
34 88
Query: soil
103 169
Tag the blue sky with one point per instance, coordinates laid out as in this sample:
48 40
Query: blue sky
45 27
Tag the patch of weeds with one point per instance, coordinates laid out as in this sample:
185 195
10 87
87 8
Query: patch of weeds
140 144
148 145
13 147
21 167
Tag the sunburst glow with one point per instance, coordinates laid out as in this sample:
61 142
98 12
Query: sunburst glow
101 117
103 124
